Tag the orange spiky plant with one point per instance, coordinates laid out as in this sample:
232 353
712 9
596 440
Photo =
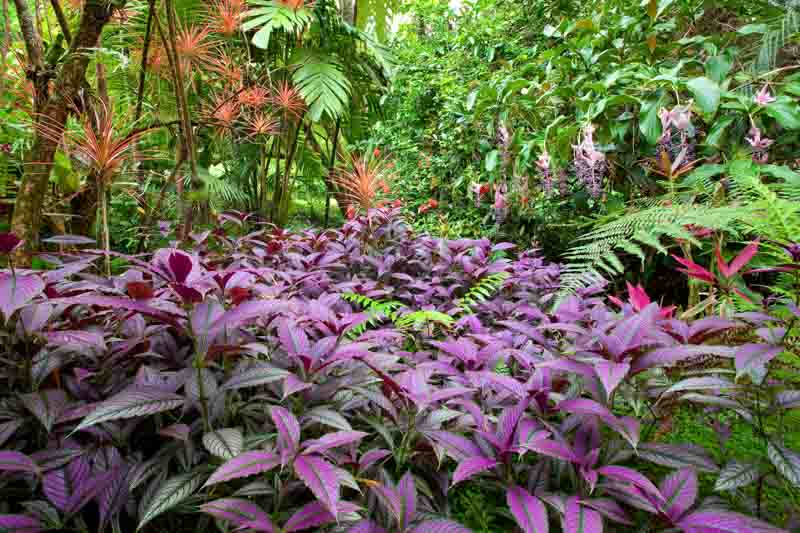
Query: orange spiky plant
195 49
262 124
100 147
224 16
365 181
287 100
228 69
222 111
254 97
297 4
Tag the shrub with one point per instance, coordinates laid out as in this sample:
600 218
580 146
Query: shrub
251 379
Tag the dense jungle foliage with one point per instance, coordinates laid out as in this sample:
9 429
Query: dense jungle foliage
400 267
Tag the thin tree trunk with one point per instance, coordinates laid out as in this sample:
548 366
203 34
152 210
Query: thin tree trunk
6 43
54 109
183 110
330 185
62 20
157 208
283 211
102 199
328 179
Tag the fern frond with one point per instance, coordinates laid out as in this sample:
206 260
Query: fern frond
482 291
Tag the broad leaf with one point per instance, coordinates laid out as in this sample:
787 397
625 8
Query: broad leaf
321 478
245 464
224 443
786 461
528 511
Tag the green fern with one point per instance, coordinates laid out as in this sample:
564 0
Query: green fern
777 35
393 311
482 291
753 207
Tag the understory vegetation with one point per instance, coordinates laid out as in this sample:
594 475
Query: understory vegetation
400 267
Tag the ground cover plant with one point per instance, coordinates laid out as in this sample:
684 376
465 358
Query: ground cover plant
350 379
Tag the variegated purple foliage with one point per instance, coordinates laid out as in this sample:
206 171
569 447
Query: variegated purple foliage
232 377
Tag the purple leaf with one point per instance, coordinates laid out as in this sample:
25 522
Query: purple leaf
293 339
17 462
665 357
407 490
243 313
63 486
472 466
46 405
321 478
288 429
552 448
679 490
19 523
786 461
17 291
180 265
115 494
528 510
372 457
724 522
314 514
366 526
750 357
241 513
611 374
627 475
243 465
610 509
132 402
581 519
254 377
458 447
678 456
333 440
176 431
7 430
736 474
440 526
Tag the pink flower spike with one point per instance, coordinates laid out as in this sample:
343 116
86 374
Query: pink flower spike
763 97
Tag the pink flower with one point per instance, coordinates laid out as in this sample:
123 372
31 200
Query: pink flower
763 97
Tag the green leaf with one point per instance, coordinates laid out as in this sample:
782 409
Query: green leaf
322 84
750 29
706 93
471 97
171 493
492 158
717 131
787 115
717 67
649 123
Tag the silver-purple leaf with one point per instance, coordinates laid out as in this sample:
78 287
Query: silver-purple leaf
579 518
736 474
241 513
314 514
786 461
333 440
321 478
472 466
288 428
679 490
17 291
224 443
169 494
45 405
132 402
11 461
440 526
19 523
245 464
528 510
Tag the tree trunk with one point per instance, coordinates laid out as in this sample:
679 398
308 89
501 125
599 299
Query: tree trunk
54 109
330 185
